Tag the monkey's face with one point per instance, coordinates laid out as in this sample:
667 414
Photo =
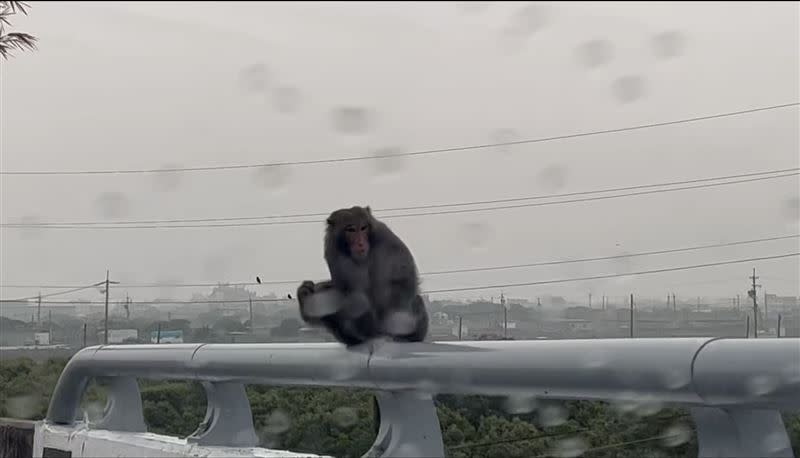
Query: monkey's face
352 227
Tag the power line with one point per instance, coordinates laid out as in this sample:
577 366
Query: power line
406 208
625 444
165 302
407 215
450 271
406 154
556 434
512 285
58 293
601 277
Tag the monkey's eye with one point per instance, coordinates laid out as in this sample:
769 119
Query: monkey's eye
364 228
350 229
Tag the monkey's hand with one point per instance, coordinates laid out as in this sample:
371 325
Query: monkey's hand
305 290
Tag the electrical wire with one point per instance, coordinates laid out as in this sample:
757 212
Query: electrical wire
407 215
406 208
450 271
601 277
405 154
58 293
513 285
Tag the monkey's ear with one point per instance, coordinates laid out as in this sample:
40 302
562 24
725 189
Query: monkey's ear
368 210
329 221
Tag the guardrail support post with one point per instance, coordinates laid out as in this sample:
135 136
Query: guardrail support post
409 426
123 410
229 420
740 433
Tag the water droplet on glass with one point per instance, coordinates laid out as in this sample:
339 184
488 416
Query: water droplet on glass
345 417
254 78
390 162
553 177
472 7
676 435
167 181
476 235
552 415
648 407
595 53
791 374
95 410
30 233
165 286
628 89
215 267
761 385
519 404
792 208
676 379
668 44
409 450
274 178
351 120
277 422
425 389
570 447
595 359
112 204
347 369
776 442
400 323
321 304
504 136
286 99
528 19
23 407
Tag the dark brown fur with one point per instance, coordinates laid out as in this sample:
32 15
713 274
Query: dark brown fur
373 277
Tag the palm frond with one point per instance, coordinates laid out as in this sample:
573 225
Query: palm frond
17 6
16 40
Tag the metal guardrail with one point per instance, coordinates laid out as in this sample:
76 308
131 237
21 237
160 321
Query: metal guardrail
735 388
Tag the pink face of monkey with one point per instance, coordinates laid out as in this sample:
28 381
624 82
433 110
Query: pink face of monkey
353 228
357 237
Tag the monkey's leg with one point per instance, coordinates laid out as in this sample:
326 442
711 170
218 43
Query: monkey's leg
351 331
420 327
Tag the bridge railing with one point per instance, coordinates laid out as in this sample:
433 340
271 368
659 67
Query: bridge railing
734 388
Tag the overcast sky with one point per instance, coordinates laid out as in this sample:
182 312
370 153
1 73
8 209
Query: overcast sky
132 85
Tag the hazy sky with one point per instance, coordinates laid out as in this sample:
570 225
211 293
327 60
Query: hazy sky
130 85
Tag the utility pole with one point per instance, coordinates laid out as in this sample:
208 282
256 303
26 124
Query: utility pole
674 306
766 310
84 335
747 329
39 312
667 300
459 327
105 332
590 300
752 293
631 315
250 300
50 325
127 307
158 333
505 315
779 325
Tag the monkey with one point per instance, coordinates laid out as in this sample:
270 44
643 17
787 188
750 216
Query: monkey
374 286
